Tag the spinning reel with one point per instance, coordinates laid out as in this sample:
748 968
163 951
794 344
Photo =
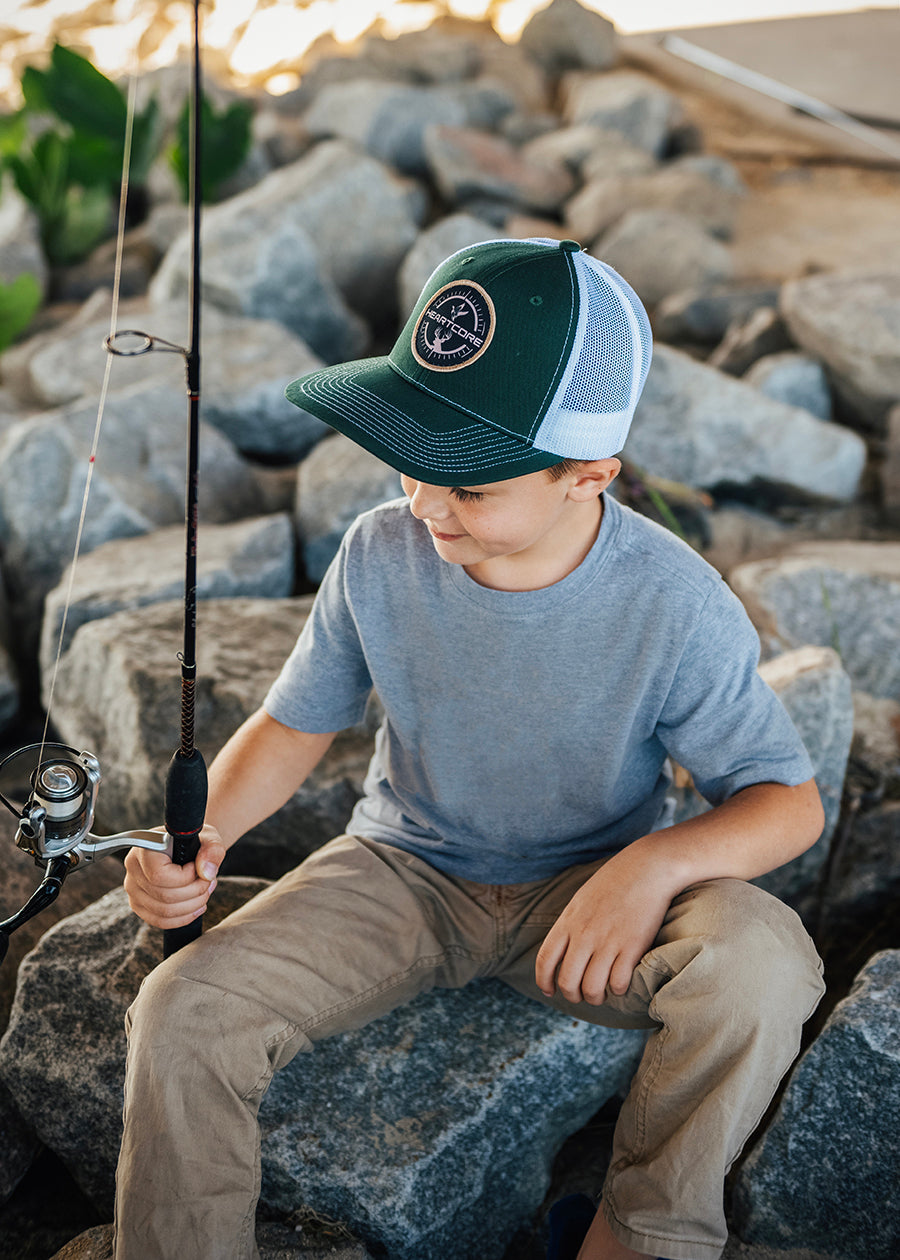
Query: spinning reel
59 786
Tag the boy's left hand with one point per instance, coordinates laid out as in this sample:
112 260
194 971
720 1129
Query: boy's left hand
605 930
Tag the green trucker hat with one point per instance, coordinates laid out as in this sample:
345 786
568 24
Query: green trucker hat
518 354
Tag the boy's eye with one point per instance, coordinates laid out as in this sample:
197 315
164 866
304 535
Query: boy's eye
465 496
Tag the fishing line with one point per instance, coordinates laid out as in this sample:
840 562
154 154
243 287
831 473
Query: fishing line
104 389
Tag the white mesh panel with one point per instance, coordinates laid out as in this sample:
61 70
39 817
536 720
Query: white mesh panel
595 401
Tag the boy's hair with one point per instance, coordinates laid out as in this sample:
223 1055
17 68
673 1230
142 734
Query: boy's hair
556 472
518 354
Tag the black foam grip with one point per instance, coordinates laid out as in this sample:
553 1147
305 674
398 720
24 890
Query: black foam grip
186 794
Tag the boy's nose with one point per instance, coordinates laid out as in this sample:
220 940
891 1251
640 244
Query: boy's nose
428 502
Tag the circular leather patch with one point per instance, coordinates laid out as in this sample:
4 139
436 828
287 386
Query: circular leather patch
455 327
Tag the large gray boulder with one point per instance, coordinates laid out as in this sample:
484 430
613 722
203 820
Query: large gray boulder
851 322
703 315
431 1143
661 252
625 101
253 558
468 164
116 696
706 429
292 248
567 36
864 883
682 187
825 1173
336 482
443 238
589 150
20 1145
246 365
45 464
793 378
845 595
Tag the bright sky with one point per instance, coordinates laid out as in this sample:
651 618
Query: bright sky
252 35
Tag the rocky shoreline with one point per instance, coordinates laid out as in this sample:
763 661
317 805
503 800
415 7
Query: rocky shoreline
768 434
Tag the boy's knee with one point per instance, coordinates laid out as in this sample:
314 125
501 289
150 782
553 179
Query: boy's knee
753 950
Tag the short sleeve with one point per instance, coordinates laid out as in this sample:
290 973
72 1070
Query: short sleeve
325 683
720 720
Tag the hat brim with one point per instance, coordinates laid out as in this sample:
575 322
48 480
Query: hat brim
410 429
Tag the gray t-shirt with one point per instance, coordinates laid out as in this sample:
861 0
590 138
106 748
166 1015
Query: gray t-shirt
527 731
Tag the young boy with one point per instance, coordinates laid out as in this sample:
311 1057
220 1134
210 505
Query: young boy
540 651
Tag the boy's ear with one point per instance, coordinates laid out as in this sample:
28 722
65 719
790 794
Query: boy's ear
592 478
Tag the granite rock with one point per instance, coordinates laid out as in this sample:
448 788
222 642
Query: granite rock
336 482
253 558
703 428
793 378
851 322
419 1131
825 1171
625 101
567 36
116 695
844 595
467 164
443 238
661 252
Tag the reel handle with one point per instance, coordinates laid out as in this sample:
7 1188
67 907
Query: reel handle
186 793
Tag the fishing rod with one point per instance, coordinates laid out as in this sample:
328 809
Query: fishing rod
56 785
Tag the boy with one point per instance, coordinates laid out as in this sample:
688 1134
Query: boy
539 651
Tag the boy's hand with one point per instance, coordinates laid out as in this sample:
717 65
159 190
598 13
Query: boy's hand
166 895
605 930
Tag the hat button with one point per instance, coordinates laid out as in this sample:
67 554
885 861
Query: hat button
571 247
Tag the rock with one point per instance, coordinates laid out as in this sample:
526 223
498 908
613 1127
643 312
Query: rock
274 1242
890 468
432 55
792 378
388 120
116 695
467 164
660 252
737 533
291 248
864 883
253 558
567 36
851 322
815 690
19 877
844 595
680 188
703 428
703 314
592 151
429 1144
876 735
143 428
72 1098
9 676
20 1145
20 238
248 362
749 339
335 483
436 243
826 1167
624 101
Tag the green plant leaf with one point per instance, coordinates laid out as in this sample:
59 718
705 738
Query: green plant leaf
145 141
34 90
84 223
84 97
12 133
225 145
19 302
93 159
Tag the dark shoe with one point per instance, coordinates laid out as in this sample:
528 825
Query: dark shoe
569 1221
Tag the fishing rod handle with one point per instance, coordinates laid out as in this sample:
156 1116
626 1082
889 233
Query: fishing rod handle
186 793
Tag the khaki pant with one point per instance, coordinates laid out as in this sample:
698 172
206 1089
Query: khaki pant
360 928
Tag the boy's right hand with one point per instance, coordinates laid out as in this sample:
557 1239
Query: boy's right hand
166 895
